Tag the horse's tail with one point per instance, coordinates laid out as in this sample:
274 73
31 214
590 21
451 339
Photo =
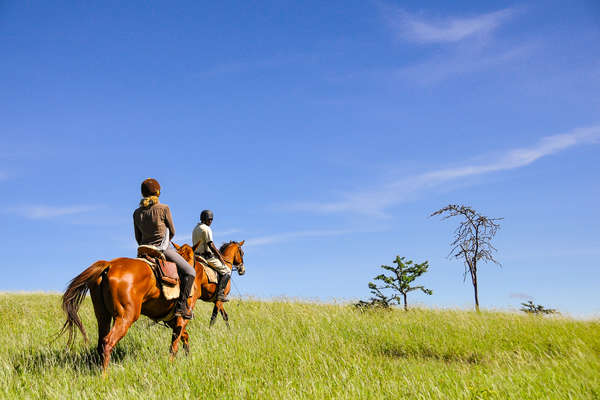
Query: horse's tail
74 296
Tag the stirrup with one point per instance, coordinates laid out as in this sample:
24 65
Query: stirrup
187 314
222 299
182 310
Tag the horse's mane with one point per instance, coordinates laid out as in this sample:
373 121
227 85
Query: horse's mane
225 245
187 253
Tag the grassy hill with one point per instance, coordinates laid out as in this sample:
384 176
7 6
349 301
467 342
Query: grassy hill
293 350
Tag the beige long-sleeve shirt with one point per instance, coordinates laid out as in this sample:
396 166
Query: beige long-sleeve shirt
202 235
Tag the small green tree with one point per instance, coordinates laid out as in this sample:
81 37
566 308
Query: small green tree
532 308
379 299
399 282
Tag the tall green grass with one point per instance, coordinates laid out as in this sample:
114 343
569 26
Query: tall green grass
295 350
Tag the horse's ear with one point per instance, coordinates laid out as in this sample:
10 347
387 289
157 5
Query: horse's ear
177 247
241 243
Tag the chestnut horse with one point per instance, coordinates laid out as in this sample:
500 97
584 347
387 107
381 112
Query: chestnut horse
124 288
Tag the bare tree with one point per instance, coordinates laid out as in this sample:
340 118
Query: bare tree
472 240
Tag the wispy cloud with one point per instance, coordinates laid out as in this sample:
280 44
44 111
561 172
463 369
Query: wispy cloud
468 43
94 219
188 238
421 29
44 211
520 296
462 61
181 239
229 231
377 199
288 236
278 238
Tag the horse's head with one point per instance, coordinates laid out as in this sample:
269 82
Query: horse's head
234 250
186 252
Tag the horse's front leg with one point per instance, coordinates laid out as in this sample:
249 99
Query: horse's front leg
185 340
178 332
175 337
213 317
185 336
224 315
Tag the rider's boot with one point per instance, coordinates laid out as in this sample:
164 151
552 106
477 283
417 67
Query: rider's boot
185 287
223 280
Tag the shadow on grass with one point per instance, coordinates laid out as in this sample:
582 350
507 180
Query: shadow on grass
85 362
422 352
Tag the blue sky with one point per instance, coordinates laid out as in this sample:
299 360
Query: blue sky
323 134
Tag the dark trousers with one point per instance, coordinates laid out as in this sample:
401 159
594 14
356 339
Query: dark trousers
183 268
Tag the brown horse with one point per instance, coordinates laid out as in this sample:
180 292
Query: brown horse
124 288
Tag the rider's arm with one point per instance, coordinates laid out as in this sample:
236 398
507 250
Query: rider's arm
216 252
196 237
138 232
169 222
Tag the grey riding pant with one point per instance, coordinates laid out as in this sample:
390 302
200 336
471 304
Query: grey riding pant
183 268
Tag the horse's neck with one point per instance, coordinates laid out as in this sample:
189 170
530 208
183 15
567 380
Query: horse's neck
229 254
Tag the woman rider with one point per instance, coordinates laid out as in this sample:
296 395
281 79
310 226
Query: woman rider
153 223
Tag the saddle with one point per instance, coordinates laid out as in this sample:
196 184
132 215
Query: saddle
211 275
165 271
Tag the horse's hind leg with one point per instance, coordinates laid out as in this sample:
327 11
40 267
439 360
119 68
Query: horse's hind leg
213 317
117 332
125 315
103 317
225 316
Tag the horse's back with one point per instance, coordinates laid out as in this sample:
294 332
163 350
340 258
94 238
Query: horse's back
130 274
125 265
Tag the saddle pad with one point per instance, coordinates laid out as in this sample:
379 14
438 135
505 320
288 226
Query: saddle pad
169 291
169 272
211 274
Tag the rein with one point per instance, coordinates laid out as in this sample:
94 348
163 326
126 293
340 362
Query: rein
229 263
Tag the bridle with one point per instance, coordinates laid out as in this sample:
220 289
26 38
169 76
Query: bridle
240 268
237 267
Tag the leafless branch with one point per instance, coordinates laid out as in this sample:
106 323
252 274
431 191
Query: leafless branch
472 239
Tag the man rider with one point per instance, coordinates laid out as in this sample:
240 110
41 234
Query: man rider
153 226
202 239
